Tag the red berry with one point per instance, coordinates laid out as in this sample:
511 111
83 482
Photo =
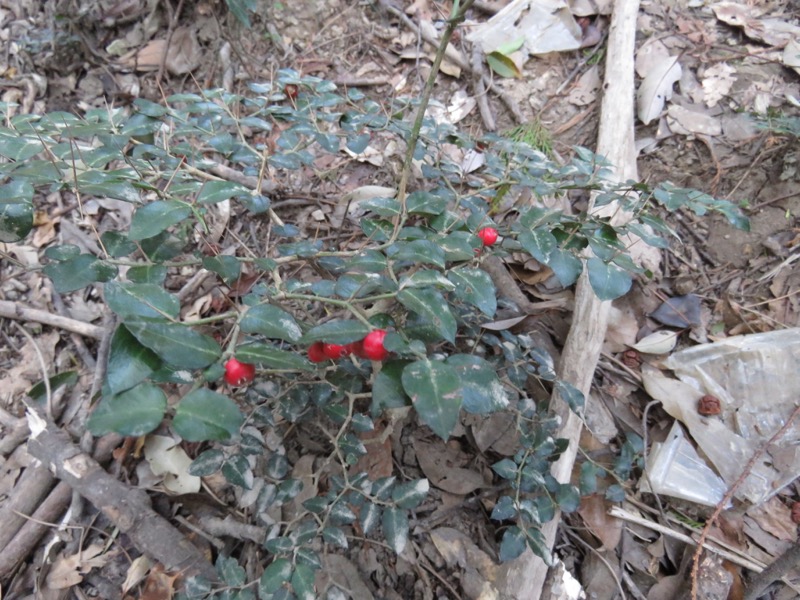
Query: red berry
488 235
316 353
373 345
239 373
357 348
335 351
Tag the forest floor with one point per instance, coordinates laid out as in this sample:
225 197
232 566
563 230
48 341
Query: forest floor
729 128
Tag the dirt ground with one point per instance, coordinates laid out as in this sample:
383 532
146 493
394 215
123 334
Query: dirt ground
72 55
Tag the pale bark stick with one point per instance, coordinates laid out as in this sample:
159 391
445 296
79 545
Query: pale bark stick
13 310
525 577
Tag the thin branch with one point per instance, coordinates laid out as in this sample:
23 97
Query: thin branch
14 310
729 495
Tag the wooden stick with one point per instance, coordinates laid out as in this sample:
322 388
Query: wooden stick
590 318
128 508
14 310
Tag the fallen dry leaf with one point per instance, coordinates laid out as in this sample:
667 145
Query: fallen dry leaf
656 88
183 56
594 512
68 571
443 466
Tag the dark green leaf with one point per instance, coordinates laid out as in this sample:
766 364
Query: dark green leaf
368 517
538 544
360 285
513 544
177 345
336 332
275 576
539 243
273 358
19 148
410 494
156 274
116 244
384 207
129 362
434 389
615 493
387 389
306 556
134 412
431 305
335 536
341 514
62 252
506 468
358 143
208 463
476 287
588 478
153 218
107 184
504 509
306 248
272 322
236 471
227 267
141 300
230 571
217 191
395 528
425 203
38 392
566 266
481 389
303 582
78 272
608 281
571 395
367 261
427 278
418 251
18 191
568 498
460 245
203 415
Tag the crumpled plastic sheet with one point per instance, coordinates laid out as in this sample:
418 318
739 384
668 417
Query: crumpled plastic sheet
757 379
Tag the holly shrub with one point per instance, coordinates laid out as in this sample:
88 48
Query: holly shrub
415 271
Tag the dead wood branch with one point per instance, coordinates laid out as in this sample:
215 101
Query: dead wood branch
129 509
14 310
525 576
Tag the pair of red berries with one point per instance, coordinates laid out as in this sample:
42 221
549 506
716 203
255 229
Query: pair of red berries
371 347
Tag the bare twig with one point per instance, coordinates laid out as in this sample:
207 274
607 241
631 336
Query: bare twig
42 367
13 310
172 23
620 513
729 494
411 143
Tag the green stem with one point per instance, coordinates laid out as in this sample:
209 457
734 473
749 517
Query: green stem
341 303
455 19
